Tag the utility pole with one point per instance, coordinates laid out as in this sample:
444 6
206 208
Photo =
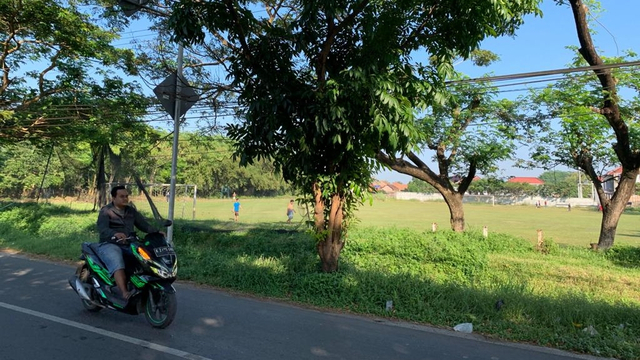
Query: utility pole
185 97
174 153
580 184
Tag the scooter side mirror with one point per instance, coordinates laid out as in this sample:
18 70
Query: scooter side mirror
167 223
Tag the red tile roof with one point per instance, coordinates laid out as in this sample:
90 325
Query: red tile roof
400 186
526 180
616 171
387 187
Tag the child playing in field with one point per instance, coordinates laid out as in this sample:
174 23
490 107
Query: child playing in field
290 211
236 209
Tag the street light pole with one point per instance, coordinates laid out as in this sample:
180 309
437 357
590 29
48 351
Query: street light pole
176 133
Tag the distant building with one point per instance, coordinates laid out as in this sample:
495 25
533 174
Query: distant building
387 187
526 180
610 180
456 179
400 186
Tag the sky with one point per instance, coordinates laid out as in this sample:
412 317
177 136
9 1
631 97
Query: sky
540 44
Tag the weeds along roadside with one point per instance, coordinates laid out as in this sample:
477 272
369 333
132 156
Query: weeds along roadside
443 278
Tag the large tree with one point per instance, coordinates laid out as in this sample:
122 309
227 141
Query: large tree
325 85
488 186
469 132
21 172
419 186
205 161
597 126
561 184
60 76
208 161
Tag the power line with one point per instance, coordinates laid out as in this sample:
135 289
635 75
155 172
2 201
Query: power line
83 122
121 43
544 73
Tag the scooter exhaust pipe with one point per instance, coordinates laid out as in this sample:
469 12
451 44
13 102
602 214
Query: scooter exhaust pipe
79 288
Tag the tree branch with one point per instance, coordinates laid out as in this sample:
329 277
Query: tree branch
443 161
466 181
6 69
273 11
25 104
585 162
54 63
332 31
418 170
610 108
203 64
458 128
241 34
426 15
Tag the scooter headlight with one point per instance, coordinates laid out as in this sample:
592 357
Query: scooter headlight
161 272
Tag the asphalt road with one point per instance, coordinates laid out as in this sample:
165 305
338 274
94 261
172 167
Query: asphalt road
41 318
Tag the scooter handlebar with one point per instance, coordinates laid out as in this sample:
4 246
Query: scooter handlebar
126 240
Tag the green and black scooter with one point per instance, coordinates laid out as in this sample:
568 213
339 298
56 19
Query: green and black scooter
151 269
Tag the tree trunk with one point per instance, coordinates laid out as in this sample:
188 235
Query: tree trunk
456 210
100 183
441 183
612 210
330 247
608 228
318 208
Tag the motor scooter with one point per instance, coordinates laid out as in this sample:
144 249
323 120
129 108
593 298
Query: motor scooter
151 268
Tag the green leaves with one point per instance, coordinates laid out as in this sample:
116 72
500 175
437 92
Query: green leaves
468 125
580 130
326 85
60 73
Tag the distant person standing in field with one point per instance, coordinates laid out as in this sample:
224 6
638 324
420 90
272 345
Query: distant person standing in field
290 211
236 208
233 196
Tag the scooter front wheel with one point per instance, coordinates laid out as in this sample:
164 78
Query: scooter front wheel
160 309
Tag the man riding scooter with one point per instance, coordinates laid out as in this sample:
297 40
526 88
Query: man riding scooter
115 222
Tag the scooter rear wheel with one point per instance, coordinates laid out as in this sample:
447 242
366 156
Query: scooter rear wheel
165 309
89 306
83 274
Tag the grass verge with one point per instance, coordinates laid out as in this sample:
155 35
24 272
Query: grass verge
566 297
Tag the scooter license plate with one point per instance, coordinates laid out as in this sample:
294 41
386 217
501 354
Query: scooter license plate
164 251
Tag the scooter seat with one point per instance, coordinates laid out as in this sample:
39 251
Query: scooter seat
91 249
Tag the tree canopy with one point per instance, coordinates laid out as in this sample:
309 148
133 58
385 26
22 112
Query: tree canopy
327 84
469 131
60 73
598 127
204 161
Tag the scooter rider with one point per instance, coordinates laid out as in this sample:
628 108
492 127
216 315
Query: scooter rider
115 221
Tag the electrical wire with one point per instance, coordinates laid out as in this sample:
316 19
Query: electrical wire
544 73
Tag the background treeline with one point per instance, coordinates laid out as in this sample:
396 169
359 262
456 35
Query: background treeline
70 169
556 184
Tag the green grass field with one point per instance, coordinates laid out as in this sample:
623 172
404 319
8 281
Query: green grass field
577 227
444 278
